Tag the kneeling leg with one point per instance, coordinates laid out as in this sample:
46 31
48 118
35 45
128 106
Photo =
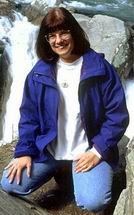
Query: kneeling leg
92 189
40 174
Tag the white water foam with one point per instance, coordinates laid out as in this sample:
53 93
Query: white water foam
19 39
130 105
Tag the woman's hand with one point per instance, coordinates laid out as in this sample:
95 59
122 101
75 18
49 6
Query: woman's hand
16 166
86 161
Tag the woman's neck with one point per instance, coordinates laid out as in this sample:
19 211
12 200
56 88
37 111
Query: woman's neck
70 58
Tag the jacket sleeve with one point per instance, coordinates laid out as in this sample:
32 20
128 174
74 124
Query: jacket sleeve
29 122
116 114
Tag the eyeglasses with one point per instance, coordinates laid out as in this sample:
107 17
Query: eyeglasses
63 34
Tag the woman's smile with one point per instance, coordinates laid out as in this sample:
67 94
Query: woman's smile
63 47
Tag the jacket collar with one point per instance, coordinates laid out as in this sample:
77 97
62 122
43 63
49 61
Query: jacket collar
45 69
93 66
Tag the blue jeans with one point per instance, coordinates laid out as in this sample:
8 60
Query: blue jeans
92 189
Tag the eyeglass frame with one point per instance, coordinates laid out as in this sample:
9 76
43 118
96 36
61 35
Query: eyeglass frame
68 32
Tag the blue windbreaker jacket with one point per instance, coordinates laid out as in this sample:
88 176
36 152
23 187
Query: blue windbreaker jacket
102 107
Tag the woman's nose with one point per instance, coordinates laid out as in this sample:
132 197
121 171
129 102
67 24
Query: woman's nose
58 38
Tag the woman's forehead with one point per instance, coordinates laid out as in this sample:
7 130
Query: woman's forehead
58 27
60 31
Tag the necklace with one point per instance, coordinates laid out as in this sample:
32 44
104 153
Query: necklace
64 84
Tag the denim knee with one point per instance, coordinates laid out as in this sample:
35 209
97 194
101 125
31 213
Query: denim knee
94 203
13 188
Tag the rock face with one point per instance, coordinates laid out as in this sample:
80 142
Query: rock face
6 8
37 9
110 36
13 205
34 10
125 204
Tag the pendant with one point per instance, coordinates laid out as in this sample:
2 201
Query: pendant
65 85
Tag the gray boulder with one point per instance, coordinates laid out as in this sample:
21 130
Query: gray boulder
125 204
5 7
14 205
110 36
36 10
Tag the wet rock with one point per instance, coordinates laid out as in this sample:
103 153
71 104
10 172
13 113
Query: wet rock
6 7
125 204
110 36
3 78
14 205
37 9
5 86
130 26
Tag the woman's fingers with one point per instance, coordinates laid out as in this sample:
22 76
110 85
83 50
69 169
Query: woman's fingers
9 165
29 170
15 167
86 161
18 175
83 167
86 168
12 175
80 165
9 171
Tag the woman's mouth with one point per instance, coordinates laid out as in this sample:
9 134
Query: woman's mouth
62 46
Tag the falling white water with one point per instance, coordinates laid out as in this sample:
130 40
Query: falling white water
50 3
19 38
23 1
130 105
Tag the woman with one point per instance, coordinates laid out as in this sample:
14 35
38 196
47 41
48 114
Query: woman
73 111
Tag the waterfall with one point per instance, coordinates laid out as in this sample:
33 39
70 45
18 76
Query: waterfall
50 3
130 105
19 38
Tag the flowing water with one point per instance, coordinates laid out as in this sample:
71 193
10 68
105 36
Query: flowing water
19 38
123 9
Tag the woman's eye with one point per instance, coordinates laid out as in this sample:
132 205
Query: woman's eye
63 33
51 36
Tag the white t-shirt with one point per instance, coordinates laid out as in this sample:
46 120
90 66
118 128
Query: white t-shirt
72 139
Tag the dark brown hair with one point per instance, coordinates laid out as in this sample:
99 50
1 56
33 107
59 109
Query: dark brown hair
56 19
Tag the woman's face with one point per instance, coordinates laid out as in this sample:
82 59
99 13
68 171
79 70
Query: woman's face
62 43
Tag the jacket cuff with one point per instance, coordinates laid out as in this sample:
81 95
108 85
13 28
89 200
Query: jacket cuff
25 153
100 146
93 149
